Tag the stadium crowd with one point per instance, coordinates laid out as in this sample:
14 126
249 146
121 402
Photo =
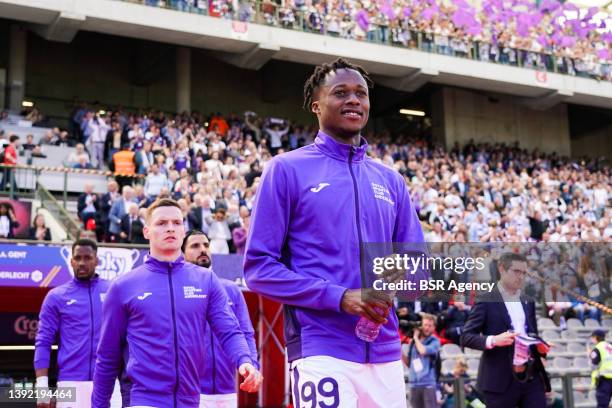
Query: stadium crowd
474 193
547 34
486 193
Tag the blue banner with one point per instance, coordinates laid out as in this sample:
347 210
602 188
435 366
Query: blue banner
49 266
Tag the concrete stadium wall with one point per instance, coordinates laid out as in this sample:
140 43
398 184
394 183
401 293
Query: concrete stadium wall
137 74
500 118
597 143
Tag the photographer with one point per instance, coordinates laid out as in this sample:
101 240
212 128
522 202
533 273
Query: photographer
423 354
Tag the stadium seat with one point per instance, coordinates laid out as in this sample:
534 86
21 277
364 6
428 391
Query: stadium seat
576 348
607 323
556 384
592 324
582 364
574 324
473 364
547 324
558 350
548 335
560 365
570 335
450 351
472 352
447 366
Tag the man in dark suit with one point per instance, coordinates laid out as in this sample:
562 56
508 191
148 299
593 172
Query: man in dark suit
88 204
199 212
106 203
127 221
493 326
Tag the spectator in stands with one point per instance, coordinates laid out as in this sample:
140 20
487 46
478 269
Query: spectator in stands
88 204
118 210
128 221
471 395
219 232
10 159
8 221
29 144
39 231
240 232
144 157
137 236
453 319
97 128
422 355
106 203
200 212
74 156
124 166
116 138
154 182
83 163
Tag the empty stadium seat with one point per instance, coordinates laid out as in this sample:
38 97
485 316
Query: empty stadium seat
582 363
576 348
592 324
473 365
472 352
556 384
548 335
447 367
574 324
570 335
560 365
450 351
547 324
558 350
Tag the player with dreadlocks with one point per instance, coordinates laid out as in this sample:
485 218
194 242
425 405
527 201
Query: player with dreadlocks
315 206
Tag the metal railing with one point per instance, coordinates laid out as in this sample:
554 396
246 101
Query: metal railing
49 203
392 34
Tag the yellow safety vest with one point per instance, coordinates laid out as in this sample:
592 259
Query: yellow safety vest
605 363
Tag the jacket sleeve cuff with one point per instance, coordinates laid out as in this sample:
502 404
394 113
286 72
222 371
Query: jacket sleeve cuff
41 362
333 297
246 359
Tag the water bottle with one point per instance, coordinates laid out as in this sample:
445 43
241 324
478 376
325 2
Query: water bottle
366 329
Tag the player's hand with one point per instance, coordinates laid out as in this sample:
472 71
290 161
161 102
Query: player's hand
252 378
505 339
375 309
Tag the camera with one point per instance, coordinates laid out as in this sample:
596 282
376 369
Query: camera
407 327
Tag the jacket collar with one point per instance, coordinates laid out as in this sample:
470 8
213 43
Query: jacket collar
340 151
94 279
164 266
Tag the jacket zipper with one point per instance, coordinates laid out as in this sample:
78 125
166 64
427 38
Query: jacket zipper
176 358
214 364
359 236
91 331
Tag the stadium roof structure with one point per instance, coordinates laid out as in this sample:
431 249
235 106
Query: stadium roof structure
249 45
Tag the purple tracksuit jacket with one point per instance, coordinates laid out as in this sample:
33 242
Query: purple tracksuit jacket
72 310
157 316
313 209
219 370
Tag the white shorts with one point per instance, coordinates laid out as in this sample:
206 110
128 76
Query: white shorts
83 394
343 384
219 401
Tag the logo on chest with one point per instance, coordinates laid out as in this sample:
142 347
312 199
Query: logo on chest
382 193
191 292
